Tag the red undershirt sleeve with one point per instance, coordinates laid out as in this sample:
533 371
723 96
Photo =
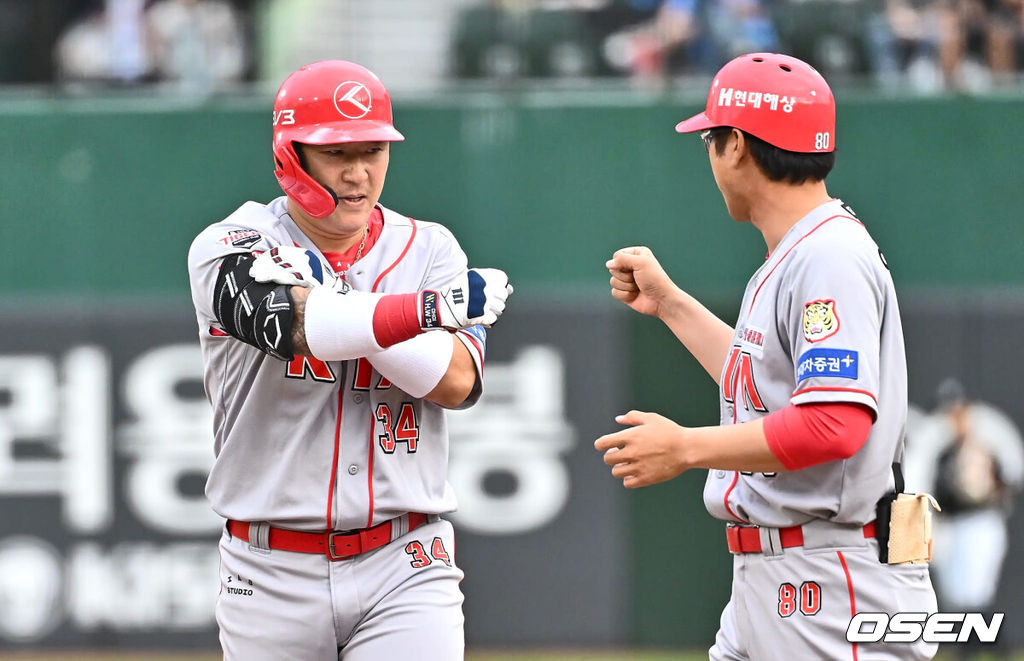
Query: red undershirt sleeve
803 435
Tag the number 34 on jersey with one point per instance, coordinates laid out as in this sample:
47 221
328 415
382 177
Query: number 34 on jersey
397 425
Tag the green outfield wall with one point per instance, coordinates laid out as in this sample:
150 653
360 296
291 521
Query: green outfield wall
542 189
101 199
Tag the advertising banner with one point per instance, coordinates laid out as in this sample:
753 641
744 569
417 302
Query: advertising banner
106 538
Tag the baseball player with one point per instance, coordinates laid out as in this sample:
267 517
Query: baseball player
334 333
812 379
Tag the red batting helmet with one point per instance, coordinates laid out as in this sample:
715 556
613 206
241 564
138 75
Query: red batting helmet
777 98
324 103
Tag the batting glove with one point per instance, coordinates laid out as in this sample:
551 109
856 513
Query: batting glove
288 265
477 298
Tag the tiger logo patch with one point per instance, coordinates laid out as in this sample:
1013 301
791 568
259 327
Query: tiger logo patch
820 320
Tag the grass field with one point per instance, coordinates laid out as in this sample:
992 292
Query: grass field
552 655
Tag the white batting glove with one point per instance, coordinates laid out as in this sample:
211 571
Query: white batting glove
477 298
288 265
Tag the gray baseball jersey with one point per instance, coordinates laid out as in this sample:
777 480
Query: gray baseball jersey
310 445
313 445
819 323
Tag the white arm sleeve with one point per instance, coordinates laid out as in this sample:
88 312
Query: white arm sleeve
417 365
340 326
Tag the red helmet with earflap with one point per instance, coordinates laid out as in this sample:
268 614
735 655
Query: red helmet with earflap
777 98
325 103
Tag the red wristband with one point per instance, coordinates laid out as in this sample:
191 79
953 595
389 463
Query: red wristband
396 319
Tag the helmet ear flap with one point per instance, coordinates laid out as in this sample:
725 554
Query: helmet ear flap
316 200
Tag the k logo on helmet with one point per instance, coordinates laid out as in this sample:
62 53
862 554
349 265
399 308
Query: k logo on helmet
352 99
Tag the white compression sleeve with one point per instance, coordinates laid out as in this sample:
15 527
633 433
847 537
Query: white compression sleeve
340 326
417 365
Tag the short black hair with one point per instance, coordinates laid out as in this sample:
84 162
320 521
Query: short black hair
779 164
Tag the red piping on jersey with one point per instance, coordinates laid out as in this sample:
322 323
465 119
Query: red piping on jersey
791 250
369 470
853 599
400 257
822 388
373 418
334 461
725 500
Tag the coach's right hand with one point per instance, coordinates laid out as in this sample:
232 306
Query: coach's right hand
639 281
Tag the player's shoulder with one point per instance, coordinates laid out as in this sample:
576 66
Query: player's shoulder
427 231
835 230
252 226
835 242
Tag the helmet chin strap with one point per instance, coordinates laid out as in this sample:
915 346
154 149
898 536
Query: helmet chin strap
333 194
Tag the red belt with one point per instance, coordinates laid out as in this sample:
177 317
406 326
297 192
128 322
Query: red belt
335 545
747 539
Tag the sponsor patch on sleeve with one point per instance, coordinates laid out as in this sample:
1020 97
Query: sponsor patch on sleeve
820 320
840 363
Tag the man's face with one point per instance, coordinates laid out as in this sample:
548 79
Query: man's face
729 177
355 171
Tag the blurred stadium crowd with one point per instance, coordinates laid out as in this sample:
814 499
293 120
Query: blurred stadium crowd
924 46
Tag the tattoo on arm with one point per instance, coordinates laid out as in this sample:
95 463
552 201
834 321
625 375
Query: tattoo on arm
299 296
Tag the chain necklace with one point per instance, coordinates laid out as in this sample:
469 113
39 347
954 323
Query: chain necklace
359 251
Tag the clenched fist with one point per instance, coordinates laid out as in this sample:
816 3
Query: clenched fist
477 298
638 280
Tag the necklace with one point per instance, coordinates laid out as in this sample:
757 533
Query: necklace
359 251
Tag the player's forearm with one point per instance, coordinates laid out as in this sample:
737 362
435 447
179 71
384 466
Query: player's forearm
299 296
703 334
424 366
458 381
435 366
741 447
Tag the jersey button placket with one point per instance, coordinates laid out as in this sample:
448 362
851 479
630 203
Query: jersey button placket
357 398
353 469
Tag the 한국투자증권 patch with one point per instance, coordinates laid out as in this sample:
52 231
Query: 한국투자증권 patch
842 363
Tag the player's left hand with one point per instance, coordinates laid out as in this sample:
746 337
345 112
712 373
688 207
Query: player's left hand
646 453
476 298
289 265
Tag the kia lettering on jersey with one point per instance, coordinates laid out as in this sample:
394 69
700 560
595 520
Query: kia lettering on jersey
739 381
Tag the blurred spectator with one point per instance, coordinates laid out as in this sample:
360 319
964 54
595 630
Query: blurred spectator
971 457
659 45
198 44
905 41
930 45
985 33
740 26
